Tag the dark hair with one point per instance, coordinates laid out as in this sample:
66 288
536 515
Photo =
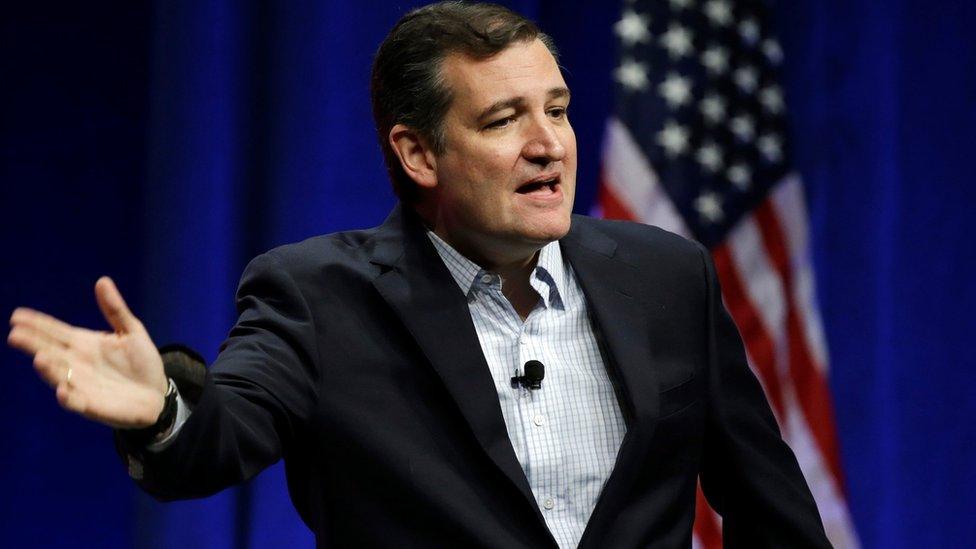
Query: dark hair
407 86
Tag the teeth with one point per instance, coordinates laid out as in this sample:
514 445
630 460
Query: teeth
550 183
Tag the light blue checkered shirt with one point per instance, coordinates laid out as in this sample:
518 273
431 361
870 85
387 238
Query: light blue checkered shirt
566 435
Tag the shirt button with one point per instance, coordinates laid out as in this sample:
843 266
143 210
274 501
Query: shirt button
548 503
486 278
539 420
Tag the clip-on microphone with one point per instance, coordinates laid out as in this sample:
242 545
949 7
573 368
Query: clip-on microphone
534 372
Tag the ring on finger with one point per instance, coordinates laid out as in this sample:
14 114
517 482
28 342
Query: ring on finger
67 377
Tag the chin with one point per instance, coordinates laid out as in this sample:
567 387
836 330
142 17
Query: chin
551 230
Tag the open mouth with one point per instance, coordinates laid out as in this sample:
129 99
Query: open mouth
542 186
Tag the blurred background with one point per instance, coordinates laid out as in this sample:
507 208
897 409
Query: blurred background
166 143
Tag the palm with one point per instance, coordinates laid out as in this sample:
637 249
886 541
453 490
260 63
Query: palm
114 378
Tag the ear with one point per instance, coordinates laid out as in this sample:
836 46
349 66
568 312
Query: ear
416 156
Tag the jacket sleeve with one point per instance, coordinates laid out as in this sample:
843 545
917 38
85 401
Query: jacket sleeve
749 475
254 400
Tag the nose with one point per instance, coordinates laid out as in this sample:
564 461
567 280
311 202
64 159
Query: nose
544 143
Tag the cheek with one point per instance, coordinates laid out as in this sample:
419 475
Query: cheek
489 173
570 143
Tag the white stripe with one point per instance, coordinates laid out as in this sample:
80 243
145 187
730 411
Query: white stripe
763 286
790 205
634 182
833 507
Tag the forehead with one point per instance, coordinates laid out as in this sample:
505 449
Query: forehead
524 69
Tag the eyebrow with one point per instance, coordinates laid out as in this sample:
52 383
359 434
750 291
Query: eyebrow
516 102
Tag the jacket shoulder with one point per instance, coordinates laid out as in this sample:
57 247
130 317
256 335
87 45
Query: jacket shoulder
318 263
322 250
639 243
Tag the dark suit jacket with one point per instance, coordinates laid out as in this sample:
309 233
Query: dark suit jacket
356 360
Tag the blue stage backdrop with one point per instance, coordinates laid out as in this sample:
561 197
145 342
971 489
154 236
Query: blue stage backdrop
166 143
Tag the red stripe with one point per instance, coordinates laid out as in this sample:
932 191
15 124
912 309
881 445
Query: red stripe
706 524
613 207
757 339
810 386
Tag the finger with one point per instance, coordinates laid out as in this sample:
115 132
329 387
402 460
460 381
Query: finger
53 365
31 341
70 399
46 324
113 307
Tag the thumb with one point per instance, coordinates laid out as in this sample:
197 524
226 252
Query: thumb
113 307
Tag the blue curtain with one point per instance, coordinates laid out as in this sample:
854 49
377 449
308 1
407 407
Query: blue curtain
167 143
884 104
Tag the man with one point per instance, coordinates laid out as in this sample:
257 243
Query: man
390 367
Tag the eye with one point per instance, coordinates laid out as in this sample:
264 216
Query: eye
557 113
501 123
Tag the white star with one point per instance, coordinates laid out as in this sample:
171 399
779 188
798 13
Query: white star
773 51
673 138
746 78
631 74
676 90
743 127
771 147
719 12
677 41
749 31
716 60
678 5
713 108
633 28
709 206
741 176
772 99
710 157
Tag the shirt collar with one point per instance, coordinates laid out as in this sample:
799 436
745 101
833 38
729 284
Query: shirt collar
550 270
548 278
461 268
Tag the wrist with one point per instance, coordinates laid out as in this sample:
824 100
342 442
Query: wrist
164 420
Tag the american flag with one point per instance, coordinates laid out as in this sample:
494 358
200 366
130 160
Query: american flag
697 145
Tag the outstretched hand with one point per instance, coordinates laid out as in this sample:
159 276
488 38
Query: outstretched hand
113 378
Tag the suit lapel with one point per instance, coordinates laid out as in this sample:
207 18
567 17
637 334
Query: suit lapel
612 288
429 303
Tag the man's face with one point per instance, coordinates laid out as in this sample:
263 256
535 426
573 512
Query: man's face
507 178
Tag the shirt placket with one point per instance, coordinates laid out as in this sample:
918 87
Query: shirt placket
536 418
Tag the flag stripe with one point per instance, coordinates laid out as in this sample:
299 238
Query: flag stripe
826 492
791 206
759 343
707 526
634 184
612 207
762 287
812 393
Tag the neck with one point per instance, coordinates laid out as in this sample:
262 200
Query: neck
513 262
508 259
515 275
